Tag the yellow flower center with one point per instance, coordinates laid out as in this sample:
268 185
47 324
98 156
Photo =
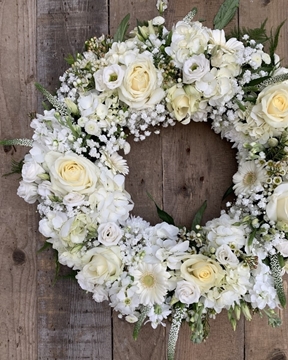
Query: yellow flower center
148 280
249 178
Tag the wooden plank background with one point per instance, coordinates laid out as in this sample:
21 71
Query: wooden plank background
181 168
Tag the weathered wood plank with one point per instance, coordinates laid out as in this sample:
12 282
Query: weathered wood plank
70 324
261 340
18 334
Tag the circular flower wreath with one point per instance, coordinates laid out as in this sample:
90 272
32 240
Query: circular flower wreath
157 78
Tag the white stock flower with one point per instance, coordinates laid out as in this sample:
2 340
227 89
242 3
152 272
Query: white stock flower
188 292
223 231
88 103
109 234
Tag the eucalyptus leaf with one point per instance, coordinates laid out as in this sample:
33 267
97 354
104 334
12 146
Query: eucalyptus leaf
225 14
122 29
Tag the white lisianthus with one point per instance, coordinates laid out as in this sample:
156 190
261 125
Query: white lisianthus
140 88
188 292
226 256
100 294
203 271
109 78
104 264
195 68
28 191
44 189
71 173
158 20
109 234
73 199
277 207
30 171
74 230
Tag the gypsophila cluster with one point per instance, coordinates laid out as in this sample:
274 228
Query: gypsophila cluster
74 170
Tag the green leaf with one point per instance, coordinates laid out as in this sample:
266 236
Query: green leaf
274 41
162 214
46 245
199 215
251 236
122 29
70 59
225 14
16 167
257 34
229 190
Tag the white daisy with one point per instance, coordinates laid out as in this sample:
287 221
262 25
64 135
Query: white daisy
152 282
249 176
116 163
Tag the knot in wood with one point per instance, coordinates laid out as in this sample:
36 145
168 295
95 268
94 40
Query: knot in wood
19 257
277 354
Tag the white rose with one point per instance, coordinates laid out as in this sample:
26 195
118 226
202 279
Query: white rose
140 88
71 173
109 234
273 105
28 191
104 265
203 271
277 207
30 171
225 256
188 292
195 68
183 102
73 199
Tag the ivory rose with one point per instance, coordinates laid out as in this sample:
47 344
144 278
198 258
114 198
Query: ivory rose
203 271
182 102
277 207
140 88
272 105
105 264
71 173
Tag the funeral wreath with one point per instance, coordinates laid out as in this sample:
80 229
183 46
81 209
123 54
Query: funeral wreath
75 171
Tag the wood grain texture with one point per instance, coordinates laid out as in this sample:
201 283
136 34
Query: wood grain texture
18 225
70 324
